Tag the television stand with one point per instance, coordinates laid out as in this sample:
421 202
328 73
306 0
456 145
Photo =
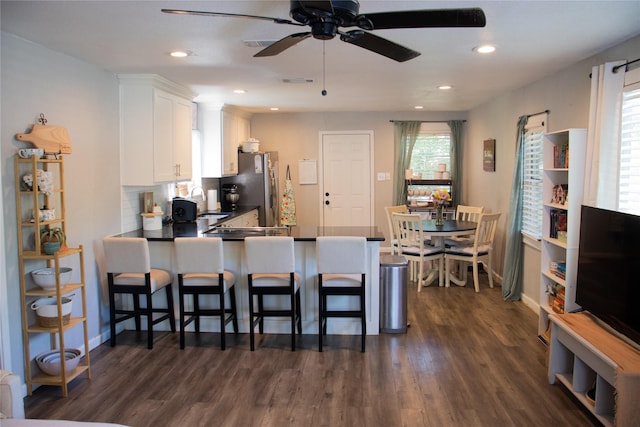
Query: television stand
583 354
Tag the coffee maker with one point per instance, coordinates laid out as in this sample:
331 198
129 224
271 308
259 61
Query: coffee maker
230 197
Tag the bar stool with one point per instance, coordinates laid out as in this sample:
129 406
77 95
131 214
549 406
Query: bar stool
129 271
342 264
271 271
200 267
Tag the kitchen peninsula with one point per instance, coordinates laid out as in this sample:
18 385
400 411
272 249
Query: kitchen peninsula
162 256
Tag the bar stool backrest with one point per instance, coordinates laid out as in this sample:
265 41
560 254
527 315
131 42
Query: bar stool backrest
270 254
341 254
127 255
199 255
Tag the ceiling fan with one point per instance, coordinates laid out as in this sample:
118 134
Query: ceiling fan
326 18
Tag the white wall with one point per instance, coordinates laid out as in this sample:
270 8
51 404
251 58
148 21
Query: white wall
84 99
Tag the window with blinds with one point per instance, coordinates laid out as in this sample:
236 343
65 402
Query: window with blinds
629 183
432 147
532 182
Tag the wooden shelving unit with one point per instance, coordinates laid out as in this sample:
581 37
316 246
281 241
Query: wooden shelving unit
423 203
553 248
31 257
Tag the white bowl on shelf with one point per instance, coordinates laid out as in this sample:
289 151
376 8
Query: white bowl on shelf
49 361
46 277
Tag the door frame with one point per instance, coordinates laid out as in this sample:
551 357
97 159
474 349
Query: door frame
321 170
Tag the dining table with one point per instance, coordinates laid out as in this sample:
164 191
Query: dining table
450 228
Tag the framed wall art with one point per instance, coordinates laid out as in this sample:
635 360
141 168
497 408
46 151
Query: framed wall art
489 155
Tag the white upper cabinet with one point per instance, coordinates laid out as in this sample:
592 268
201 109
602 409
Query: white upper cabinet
223 130
155 134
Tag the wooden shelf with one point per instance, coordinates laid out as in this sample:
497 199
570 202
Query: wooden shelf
30 257
429 182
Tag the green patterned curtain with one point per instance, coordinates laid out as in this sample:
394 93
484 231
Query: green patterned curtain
404 136
456 160
513 258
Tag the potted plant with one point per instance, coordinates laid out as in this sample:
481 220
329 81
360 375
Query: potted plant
52 240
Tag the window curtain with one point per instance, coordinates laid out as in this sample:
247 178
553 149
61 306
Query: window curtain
513 259
603 137
404 136
456 160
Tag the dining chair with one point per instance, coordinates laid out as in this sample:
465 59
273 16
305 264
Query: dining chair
481 249
465 213
392 235
128 266
342 264
412 245
200 268
270 262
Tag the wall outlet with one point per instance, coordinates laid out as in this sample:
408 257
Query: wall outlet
381 176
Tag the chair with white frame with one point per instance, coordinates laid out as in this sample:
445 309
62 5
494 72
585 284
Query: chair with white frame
482 249
412 245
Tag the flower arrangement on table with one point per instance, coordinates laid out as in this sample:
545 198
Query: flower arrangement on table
44 180
441 197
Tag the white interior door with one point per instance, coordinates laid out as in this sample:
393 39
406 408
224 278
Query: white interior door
347 179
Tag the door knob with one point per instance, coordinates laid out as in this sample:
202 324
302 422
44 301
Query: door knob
326 194
326 202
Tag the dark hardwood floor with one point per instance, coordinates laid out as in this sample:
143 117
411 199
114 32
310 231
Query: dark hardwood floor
468 359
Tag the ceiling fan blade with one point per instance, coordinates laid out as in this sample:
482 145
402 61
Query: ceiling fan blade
283 44
232 15
430 18
379 45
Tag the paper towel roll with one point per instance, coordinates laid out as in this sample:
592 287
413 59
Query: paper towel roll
212 200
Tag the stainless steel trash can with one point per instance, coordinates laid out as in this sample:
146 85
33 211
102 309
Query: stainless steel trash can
393 294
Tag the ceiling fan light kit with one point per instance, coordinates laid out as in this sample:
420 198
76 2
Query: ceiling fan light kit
326 19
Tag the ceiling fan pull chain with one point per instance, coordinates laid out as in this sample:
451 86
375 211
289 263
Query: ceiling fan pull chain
324 90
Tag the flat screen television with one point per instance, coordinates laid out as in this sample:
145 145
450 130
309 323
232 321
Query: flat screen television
608 278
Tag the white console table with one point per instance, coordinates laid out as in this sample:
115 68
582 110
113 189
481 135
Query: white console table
582 354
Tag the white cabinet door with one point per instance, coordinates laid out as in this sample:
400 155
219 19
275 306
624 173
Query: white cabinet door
163 165
222 132
229 143
155 120
182 149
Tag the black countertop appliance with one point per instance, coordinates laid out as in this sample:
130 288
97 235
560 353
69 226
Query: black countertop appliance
230 197
183 210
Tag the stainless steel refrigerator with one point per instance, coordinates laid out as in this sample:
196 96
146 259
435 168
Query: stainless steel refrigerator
257 182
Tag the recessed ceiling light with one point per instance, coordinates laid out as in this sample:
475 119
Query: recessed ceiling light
418 107
239 91
179 54
445 87
485 48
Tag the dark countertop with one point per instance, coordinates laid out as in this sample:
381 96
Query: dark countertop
201 226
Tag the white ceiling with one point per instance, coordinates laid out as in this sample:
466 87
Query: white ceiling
533 38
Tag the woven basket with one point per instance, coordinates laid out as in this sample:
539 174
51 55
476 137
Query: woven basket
52 322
